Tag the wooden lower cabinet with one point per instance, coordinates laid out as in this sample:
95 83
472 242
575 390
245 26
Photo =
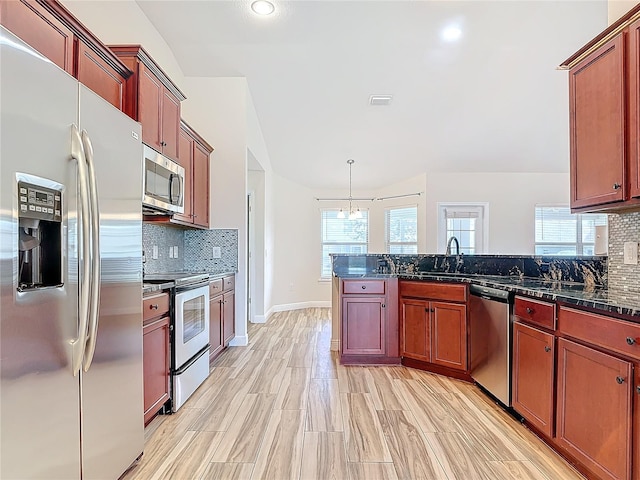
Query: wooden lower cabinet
415 332
594 421
222 314
432 331
533 376
156 356
364 325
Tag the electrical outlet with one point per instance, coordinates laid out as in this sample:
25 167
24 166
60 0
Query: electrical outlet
630 253
217 252
175 251
154 252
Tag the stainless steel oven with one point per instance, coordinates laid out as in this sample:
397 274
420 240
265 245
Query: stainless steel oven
190 338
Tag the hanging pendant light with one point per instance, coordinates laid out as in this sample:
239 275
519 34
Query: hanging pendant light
354 213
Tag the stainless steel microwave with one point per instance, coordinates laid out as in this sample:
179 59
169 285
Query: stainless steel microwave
163 191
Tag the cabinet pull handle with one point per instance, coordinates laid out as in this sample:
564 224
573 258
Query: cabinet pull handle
427 310
547 348
638 390
616 186
153 307
529 310
631 340
384 305
620 380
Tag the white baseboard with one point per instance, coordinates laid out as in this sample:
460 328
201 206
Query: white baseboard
260 319
299 305
239 341
335 345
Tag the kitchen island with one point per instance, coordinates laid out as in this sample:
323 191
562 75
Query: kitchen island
575 379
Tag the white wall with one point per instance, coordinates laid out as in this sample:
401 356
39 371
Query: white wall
617 8
511 197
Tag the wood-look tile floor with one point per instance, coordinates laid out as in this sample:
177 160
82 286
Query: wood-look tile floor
284 408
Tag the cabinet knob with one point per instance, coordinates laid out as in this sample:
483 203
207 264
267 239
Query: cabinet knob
384 305
153 307
547 348
364 287
616 186
529 310
163 144
631 341
638 390
620 380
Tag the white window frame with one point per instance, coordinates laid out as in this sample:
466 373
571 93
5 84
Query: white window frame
482 225
578 244
327 276
388 243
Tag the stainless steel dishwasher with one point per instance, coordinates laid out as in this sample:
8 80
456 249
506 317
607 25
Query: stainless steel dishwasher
490 335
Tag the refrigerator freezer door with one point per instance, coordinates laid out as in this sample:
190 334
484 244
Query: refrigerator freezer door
39 396
112 395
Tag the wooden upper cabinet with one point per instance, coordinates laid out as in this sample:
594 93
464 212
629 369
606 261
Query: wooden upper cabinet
51 29
634 108
153 100
200 200
597 96
30 21
185 159
594 409
99 76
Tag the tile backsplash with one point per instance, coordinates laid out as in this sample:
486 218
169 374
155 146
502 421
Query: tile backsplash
195 249
623 228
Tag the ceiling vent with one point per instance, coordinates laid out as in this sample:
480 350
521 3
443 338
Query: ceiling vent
380 99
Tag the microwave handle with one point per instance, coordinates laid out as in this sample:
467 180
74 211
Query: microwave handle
173 178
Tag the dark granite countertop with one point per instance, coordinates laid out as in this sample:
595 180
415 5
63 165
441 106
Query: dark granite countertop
578 294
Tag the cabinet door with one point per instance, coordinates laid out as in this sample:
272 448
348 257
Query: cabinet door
449 335
634 108
185 159
170 124
156 354
215 326
363 326
594 409
533 376
99 76
597 125
37 27
150 92
229 316
200 186
415 338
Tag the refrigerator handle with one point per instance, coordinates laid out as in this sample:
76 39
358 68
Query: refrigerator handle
78 344
94 298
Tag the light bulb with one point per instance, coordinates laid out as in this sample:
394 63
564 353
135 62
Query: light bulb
262 7
341 213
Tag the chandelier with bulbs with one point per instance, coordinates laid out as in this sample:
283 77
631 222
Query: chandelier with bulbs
353 213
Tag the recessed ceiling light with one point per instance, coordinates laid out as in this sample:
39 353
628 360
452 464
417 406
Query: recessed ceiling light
263 7
451 33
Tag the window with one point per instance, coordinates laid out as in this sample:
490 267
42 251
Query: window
466 222
559 232
341 235
401 226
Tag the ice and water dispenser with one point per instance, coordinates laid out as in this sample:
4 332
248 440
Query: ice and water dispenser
39 235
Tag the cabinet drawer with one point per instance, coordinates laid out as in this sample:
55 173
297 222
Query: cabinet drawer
215 287
228 283
155 306
534 311
606 332
434 291
364 286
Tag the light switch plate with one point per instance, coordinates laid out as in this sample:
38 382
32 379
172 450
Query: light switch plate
630 253
175 251
154 252
170 252
217 253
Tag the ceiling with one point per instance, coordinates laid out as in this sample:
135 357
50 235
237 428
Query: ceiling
491 101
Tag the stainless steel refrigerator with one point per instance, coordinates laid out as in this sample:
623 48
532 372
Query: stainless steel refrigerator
71 395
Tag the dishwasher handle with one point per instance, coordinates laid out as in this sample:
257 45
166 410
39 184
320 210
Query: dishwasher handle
489 293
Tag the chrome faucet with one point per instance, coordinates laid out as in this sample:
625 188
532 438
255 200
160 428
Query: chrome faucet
452 239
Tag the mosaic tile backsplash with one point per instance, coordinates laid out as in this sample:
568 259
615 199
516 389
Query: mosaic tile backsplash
198 248
195 249
624 279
